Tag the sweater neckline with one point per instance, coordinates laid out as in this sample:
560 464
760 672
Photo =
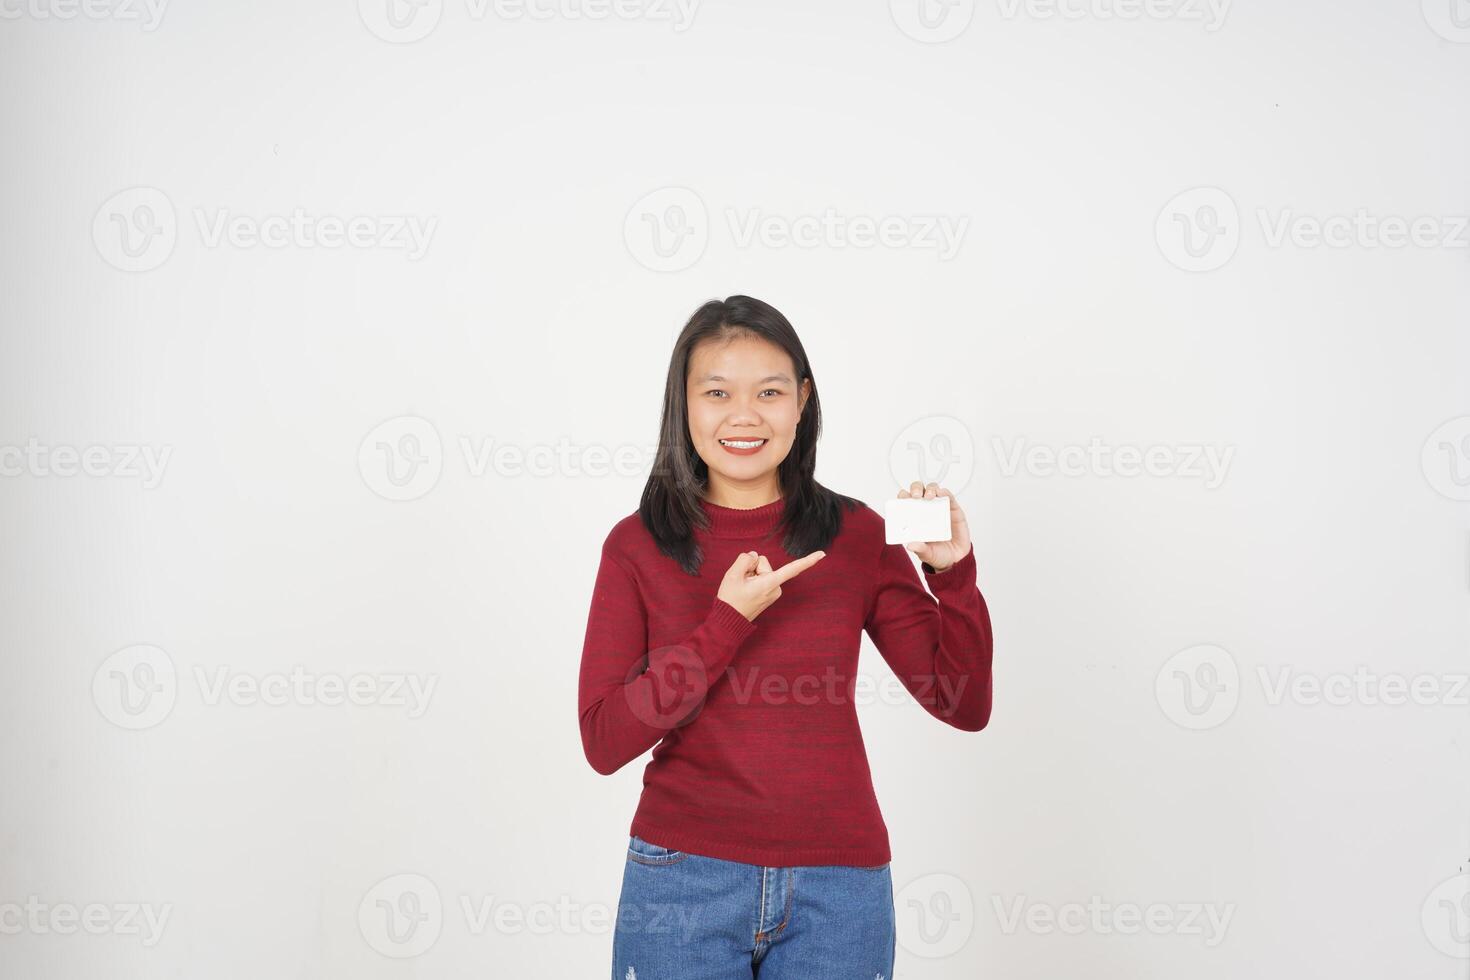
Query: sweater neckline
743 522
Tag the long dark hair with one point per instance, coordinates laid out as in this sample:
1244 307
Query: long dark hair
670 508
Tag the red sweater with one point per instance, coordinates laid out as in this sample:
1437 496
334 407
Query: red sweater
757 752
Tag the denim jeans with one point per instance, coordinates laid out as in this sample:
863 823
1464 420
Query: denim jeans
685 916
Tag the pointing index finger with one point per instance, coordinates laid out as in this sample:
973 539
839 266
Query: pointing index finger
792 569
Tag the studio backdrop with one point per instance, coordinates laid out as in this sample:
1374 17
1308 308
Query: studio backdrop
332 345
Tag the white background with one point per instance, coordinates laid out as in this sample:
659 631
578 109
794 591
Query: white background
542 314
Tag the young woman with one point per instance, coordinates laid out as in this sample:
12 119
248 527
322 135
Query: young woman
724 633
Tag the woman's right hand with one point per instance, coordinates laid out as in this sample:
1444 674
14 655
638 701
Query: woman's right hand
751 585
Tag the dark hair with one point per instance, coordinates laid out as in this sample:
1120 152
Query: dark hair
670 508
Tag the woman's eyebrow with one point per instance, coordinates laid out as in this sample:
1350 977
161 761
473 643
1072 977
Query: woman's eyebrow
716 377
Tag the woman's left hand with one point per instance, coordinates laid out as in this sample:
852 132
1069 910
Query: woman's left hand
941 554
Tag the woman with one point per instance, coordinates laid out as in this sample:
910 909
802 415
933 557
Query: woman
724 633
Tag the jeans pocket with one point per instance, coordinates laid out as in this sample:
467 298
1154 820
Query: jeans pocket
643 852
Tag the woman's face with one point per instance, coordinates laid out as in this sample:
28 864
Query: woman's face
743 390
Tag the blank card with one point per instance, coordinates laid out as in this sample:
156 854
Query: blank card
908 519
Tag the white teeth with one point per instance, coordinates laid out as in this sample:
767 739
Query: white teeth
741 444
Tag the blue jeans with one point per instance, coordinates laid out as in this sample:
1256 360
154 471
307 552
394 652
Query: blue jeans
685 916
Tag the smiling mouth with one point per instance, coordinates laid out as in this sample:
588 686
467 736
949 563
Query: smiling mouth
742 443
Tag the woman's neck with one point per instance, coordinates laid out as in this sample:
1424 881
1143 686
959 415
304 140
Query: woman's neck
742 498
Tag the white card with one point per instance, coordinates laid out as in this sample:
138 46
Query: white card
908 519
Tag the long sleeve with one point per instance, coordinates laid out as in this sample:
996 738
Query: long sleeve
940 651
630 697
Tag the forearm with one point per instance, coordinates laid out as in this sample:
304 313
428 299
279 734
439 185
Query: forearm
964 650
627 706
